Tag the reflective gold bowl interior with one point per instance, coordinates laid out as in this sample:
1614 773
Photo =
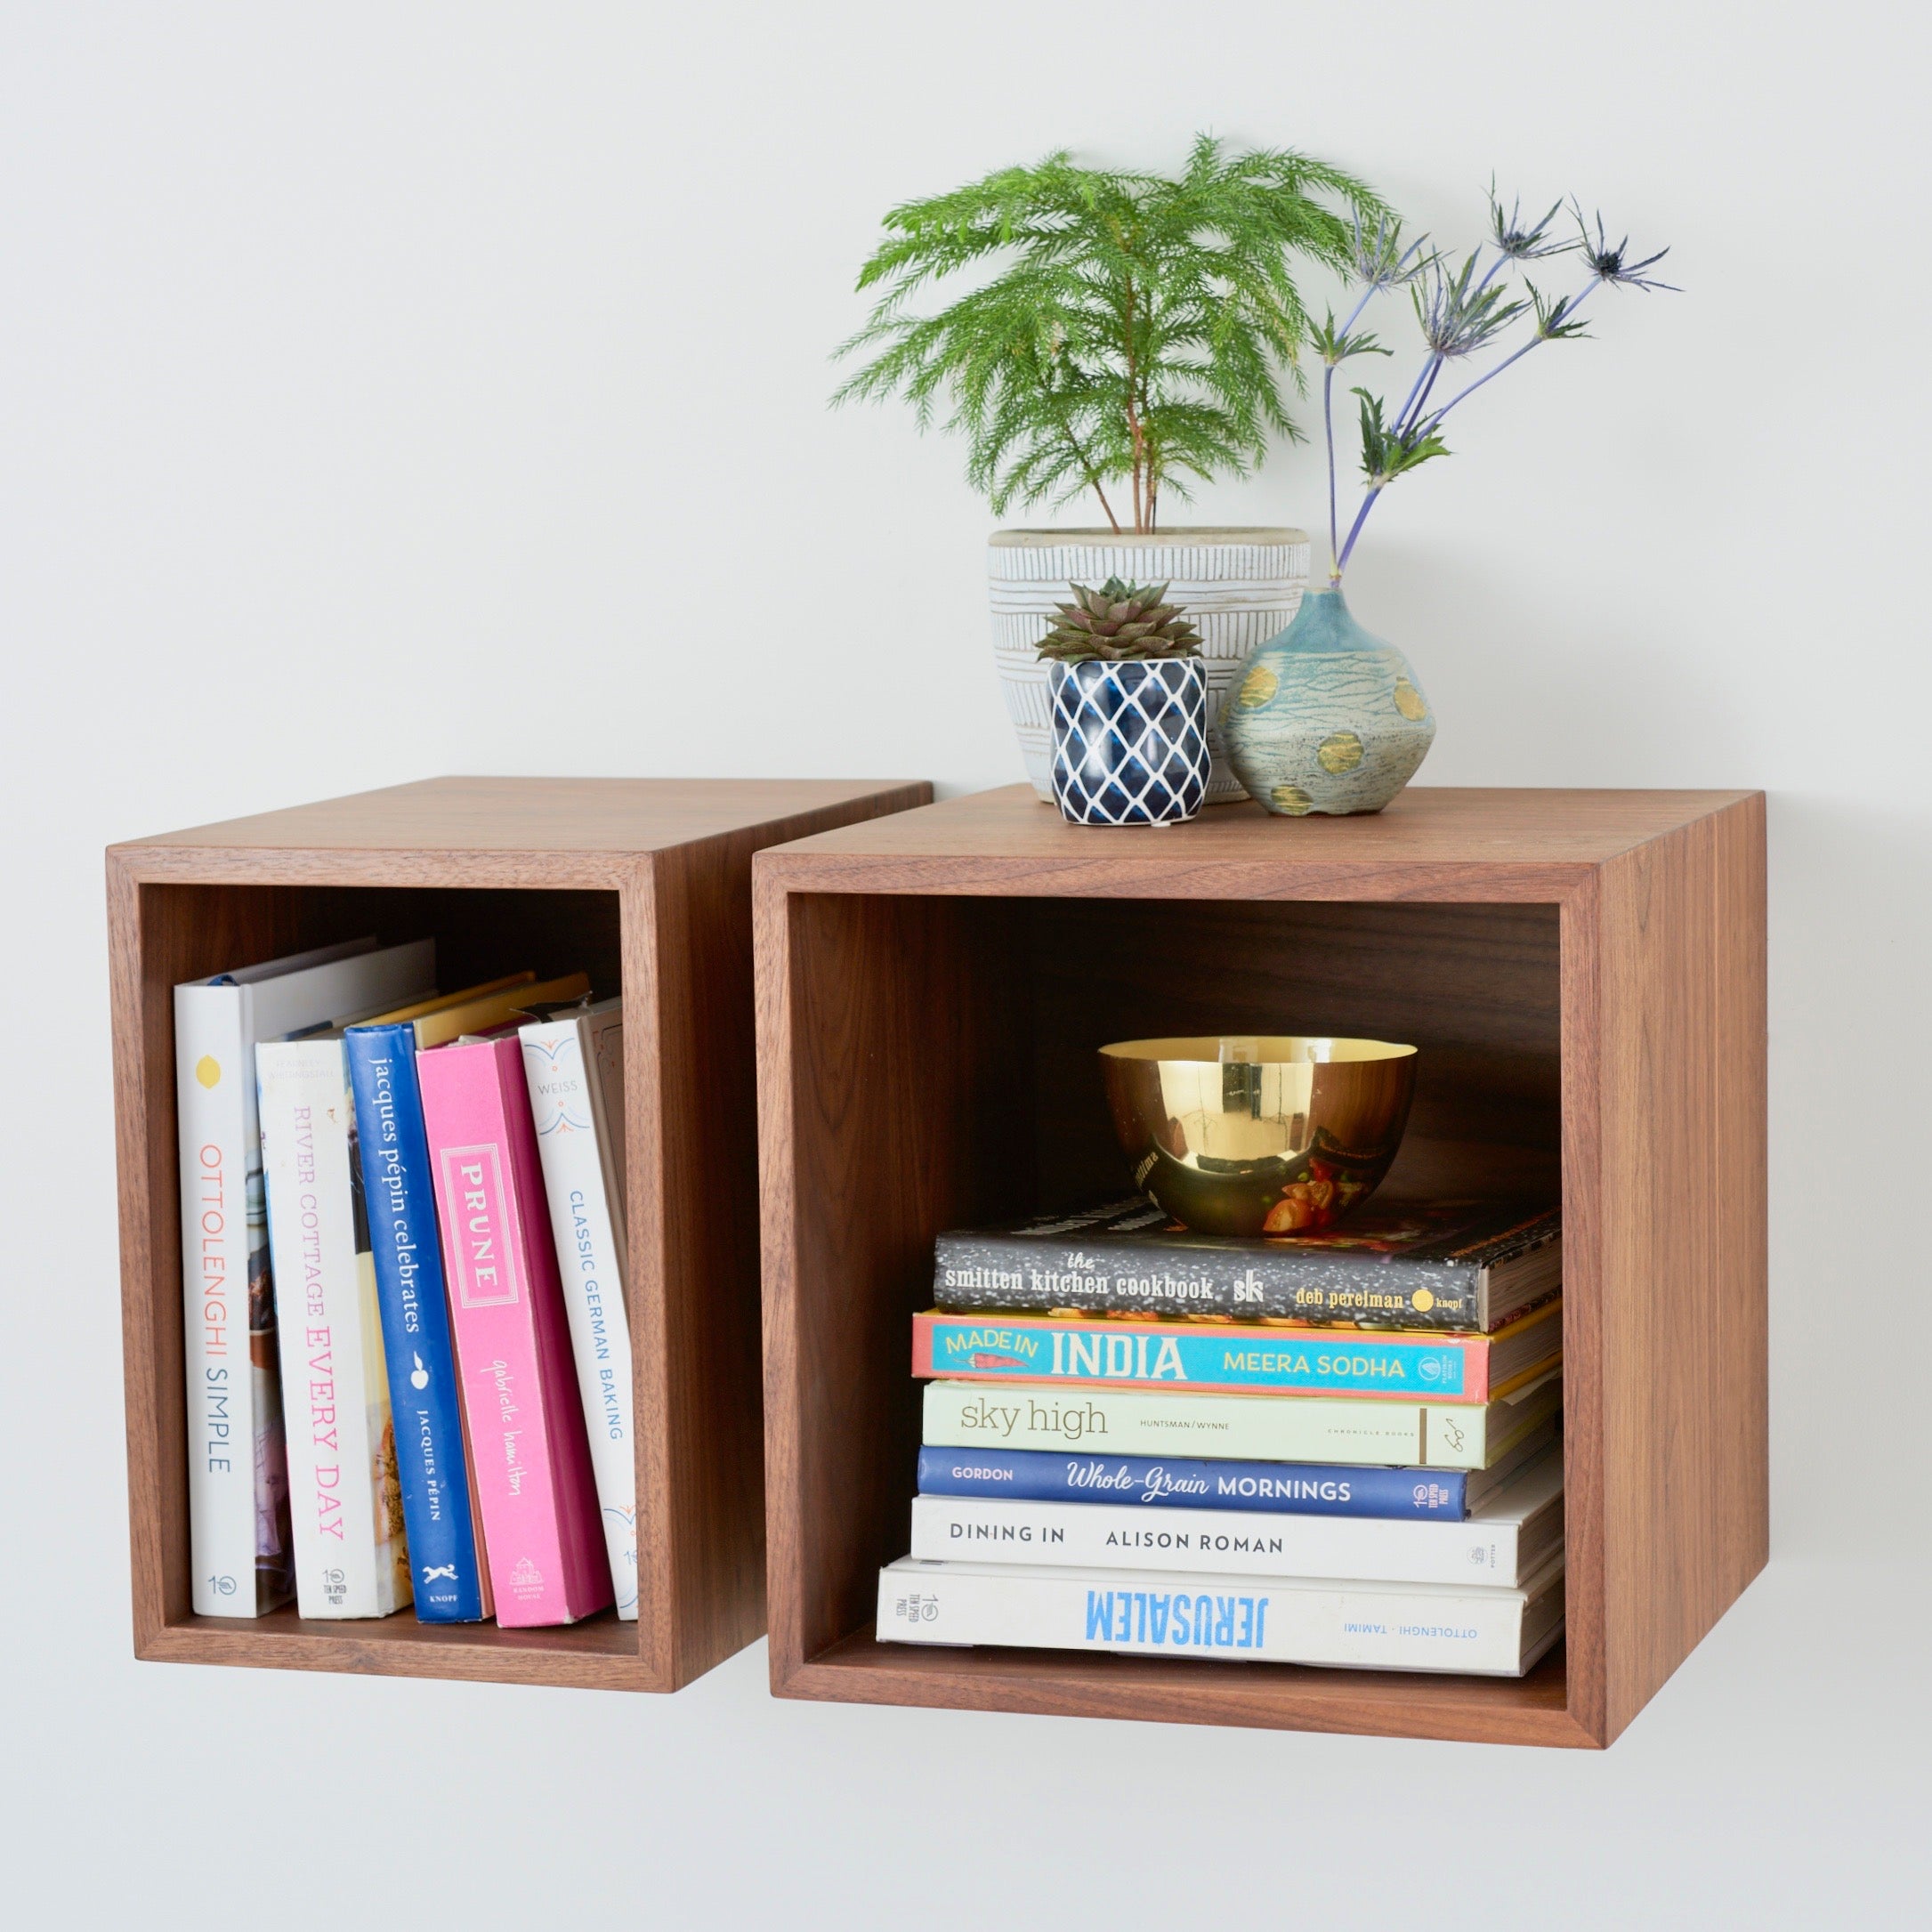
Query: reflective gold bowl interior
1274 1134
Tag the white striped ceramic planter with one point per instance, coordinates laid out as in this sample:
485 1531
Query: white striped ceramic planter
1240 586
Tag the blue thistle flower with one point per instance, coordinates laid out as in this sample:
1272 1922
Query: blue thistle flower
1556 319
1456 319
1608 264
1515 242
1460 313
1377 258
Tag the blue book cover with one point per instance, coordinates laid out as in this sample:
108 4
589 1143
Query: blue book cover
1241 1358
1286 1488
400 1197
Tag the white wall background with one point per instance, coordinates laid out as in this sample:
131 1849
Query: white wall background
452 352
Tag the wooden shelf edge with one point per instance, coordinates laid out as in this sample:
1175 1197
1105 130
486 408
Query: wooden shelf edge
1488 1710
598 1655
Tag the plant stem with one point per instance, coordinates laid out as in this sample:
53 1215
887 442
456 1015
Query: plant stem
1355 531
1424 375
1092 475
1327 411
1328 427
1133 416
1514 356
1414 416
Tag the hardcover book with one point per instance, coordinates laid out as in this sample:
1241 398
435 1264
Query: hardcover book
1486 1631
541 1528
1259 1429
240 1537
574 1066
1302 1489
1512 1538
485 1009
352 1551
1280 1358
1449 1266
447 1567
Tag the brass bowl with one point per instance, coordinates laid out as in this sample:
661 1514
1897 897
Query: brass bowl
1277 1135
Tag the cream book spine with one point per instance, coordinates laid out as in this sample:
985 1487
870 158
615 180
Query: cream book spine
241 1560
352 1559
1257 1428
237 1474
1362 1626
573 1067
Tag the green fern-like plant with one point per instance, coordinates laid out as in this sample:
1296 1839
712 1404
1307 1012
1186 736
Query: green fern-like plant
1125 329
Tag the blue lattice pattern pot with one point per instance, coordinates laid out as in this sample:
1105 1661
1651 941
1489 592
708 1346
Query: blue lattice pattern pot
1129 739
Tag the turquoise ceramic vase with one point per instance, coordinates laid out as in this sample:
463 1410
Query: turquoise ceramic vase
1325 718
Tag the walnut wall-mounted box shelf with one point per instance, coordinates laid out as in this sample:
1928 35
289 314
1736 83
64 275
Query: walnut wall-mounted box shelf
1585 974
646 885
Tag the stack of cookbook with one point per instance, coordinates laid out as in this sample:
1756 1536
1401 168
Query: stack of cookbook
1336 1448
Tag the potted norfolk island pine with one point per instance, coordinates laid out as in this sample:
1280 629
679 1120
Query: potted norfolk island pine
1125 336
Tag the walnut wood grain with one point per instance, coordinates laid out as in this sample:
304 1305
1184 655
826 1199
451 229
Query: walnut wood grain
1263 1696
1585 974
567 818
1685 1424
646 885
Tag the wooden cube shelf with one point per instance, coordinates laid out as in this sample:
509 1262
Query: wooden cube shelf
646 885
1584 971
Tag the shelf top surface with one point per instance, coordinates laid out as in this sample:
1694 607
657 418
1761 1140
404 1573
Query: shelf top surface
526 815
1427 827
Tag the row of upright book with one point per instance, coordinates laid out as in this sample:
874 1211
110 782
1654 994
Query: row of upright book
1338 1448
407 1343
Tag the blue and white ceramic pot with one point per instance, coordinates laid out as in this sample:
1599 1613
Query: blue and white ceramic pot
1129 739
1324 717
1238 588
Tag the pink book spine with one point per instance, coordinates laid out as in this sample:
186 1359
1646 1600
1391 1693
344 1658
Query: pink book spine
541 1529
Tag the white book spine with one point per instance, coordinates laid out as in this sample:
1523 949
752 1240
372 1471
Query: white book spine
1365 1625
583 1185
1128 1536
214 1085
346 1504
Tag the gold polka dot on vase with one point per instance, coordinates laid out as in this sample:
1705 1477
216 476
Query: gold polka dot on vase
208 1070
1258 686
1339 754
1291 799
1409 699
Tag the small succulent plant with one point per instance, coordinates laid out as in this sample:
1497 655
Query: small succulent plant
1120 621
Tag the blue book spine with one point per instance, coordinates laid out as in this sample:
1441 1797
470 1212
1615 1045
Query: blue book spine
424 1392
1293 1489
1448 1367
